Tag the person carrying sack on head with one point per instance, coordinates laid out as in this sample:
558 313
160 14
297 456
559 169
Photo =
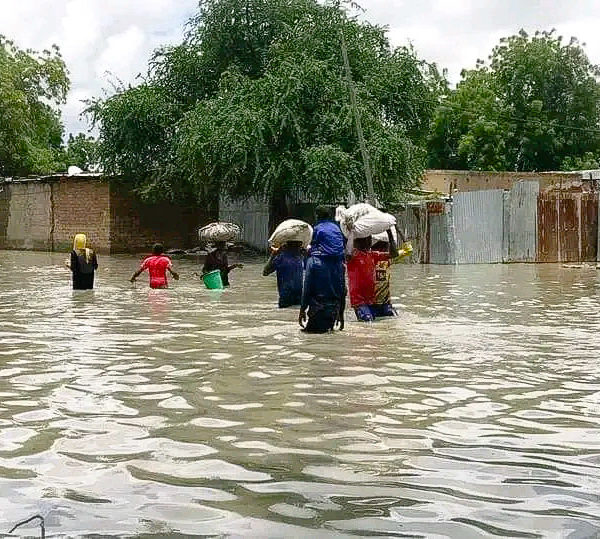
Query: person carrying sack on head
83 264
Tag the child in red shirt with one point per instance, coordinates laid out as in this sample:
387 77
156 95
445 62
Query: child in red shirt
157 265
362 267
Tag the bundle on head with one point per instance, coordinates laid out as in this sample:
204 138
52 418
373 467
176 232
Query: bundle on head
291 230
217 232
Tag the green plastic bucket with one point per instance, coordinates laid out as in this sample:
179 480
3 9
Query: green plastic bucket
212 280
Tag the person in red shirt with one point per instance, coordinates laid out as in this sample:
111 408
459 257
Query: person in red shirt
157 265
362 266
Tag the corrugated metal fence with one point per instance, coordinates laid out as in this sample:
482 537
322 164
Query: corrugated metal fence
476 227
253 217
493 226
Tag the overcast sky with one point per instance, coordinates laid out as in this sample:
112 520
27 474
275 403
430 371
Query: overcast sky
104 40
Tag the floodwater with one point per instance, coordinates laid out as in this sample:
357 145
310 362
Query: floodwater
131 412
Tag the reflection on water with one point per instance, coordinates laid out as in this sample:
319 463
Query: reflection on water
129 411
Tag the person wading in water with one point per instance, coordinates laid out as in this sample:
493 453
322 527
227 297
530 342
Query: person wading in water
288 262
218 260
157 265
83 264
324 291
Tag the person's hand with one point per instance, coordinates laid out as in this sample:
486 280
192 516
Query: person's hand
302 317
176 276
132 280
240 266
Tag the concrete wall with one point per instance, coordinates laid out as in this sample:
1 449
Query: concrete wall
45 214
448 181
26 216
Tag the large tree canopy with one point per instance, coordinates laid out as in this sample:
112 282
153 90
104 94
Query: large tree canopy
32 86
255 102
534 106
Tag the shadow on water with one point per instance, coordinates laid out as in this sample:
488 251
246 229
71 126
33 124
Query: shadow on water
137 412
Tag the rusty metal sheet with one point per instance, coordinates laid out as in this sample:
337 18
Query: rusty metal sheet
478 218
567 227
411 221
589 227
547 244
569 222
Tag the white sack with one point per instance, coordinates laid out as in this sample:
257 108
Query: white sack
384 237
291 230
362 220
219 232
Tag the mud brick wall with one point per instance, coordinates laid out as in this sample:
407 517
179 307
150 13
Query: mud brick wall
135 226
81 205
25 216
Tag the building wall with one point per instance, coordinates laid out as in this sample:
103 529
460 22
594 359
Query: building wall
81 206
448 181
26 216
45 214
136 226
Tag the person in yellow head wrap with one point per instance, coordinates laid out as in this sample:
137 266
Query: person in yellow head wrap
83 264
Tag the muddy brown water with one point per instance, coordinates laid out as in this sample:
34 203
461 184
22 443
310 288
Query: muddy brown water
131 412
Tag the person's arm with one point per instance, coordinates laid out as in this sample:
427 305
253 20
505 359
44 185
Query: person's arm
173 273
138 272
234 266
342 309
270 265
306 293
393 247
95 261
73 264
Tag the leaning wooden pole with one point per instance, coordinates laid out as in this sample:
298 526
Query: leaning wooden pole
359 131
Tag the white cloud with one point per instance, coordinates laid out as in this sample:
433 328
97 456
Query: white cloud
118 36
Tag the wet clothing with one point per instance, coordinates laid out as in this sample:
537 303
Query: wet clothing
327 240
289 265
368 313
383 272
157 266
218 260
324 292
361 276
83 264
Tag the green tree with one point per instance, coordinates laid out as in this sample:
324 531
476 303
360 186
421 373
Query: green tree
255 102
534 105
32 87
81 151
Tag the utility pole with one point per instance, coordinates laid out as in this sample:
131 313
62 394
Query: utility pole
361 139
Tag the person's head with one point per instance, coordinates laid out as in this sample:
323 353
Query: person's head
221 245
363 244
293 246
380 246
323 212
158 249
79 241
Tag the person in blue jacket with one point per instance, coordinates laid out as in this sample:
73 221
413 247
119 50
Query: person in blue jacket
324 290
288 262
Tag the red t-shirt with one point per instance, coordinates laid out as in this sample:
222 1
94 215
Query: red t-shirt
157 268
361 276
